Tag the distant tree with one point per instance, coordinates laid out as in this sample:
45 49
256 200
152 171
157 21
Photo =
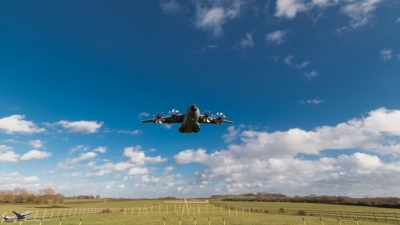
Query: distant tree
20 195
46 194
97 196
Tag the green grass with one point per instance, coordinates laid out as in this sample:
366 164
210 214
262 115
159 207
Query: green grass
156 214
275 206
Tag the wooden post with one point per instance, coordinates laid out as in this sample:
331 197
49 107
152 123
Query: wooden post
35 215
58 213
385 217
44 214
51 215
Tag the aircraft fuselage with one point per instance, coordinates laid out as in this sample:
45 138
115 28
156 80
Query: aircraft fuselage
190 124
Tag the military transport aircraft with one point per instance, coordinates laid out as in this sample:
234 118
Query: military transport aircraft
18 216
189 120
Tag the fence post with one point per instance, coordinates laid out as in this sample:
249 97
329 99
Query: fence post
385 217
51 215
366 215
398 221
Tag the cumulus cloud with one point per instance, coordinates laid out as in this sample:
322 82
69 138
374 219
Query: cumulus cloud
274 160
17 124
386 54
35 154
85 127
101 149
8 156
143 114
212 15
170 7
134 166
277 36
36 143
311 101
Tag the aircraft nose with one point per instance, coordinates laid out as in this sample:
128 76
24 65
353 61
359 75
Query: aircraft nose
193 108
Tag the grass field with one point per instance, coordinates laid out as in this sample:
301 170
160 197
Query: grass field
127 212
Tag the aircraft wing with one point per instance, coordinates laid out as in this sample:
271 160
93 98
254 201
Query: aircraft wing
167 119
212 120
26 213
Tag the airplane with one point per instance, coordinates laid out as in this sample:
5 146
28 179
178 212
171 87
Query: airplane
18 216
190 120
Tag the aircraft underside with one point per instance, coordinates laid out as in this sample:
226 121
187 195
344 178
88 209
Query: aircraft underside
189 128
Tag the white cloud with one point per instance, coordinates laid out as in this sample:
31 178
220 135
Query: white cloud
134 166
69 163
277 36
167 126
398 20
289 8
36 143
8 156
10 141
35 154
143 114
386 54
134 132
78 148
304 64
232 133
4 148
248 42
168 169
74 174
288 61
359 161
212 15
311 74
170 6
359 11
311 101
85 127
269 160
101 149
17 124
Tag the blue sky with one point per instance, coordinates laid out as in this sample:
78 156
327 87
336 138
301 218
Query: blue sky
312 86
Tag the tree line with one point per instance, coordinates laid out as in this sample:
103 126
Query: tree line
21 195
391 202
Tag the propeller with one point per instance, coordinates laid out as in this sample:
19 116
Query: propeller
173 112
206 116
220 117
158 117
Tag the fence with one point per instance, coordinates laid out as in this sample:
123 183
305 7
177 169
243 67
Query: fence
367 216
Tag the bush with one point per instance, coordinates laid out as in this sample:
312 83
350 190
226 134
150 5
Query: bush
302 213
106 211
